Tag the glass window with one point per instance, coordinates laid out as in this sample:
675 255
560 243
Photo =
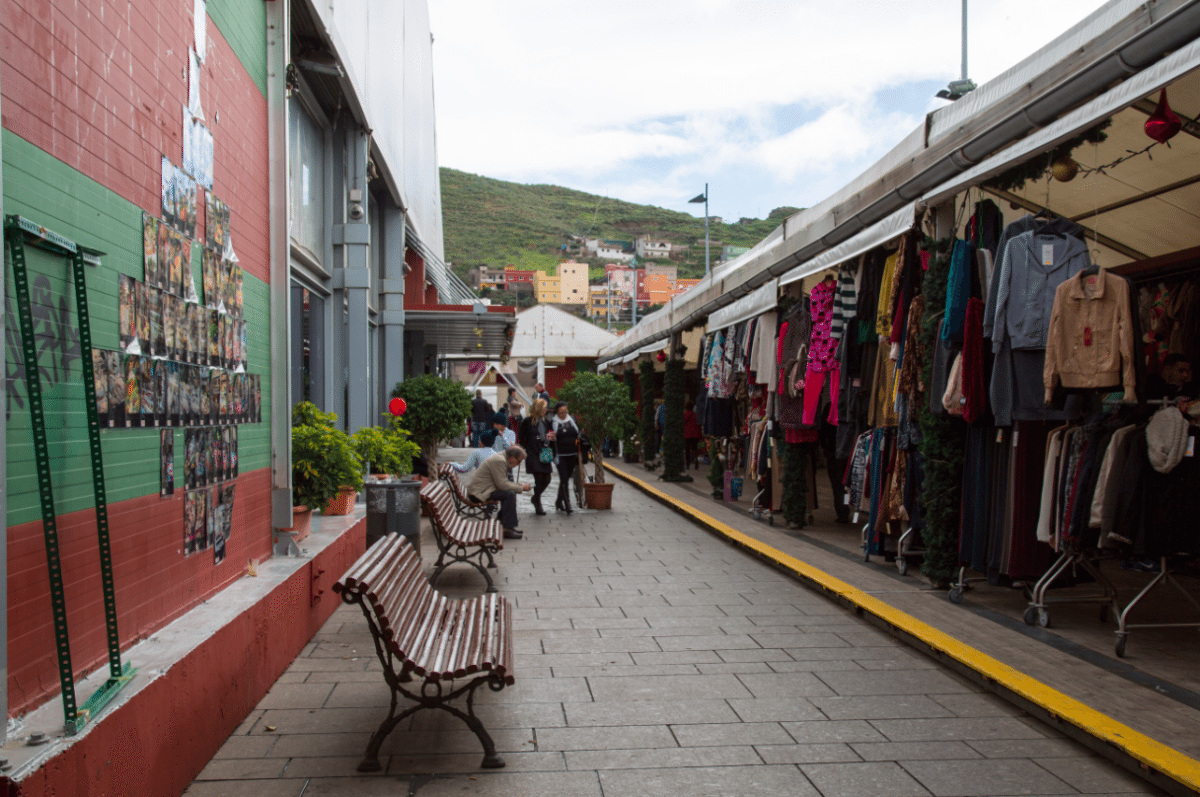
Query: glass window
306 180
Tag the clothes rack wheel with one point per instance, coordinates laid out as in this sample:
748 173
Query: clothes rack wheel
1030 617
955 595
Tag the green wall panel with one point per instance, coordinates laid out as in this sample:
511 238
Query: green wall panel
47 191
243 23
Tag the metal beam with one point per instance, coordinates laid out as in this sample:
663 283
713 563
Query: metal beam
391 301
1034 207
1133 200
355 238
278 57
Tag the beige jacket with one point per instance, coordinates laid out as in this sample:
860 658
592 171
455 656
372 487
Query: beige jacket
492 475
1090 342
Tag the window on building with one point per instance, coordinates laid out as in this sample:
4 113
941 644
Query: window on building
306 179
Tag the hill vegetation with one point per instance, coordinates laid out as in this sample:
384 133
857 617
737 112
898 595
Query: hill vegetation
498 223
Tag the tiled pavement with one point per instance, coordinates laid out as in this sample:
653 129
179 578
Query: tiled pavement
654 659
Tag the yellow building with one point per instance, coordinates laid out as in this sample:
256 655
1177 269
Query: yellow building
573 282
598 301
547 289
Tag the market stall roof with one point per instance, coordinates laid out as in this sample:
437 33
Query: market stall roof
544 331
877 234
1146 206
463 331
1119 40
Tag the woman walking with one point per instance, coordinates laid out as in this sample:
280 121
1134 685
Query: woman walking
564 432
535 430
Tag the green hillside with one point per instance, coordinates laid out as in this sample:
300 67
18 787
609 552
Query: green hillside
497 223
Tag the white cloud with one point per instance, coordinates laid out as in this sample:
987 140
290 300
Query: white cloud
585 94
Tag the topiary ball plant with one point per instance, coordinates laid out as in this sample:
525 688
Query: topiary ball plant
438 410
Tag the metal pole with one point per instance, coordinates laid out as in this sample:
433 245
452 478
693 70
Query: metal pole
3 507
964 40
706 267
278 57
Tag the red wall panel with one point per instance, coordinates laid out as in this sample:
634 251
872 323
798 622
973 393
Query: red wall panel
102 88
155 582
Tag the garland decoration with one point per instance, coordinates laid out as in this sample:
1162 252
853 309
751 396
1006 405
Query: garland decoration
1037 168
646 377
795 484
672 444
943 437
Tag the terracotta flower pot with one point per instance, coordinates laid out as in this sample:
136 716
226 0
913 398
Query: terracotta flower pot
343 504
301 522
599 496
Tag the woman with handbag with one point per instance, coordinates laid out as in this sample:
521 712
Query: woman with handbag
564 433
539 451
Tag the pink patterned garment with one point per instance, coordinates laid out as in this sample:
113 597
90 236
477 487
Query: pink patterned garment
822 353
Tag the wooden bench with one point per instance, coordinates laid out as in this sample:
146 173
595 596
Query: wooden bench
477 510
460 539
454 646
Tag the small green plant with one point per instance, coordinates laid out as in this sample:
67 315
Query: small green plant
323 459
385 450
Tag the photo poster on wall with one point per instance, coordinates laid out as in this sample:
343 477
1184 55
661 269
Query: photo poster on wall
142 311
127 313
166 451
194 538
116 388
133 393
174 371
150 249
208 261
197 149
216 222
158 340
218 528
100 384
178 198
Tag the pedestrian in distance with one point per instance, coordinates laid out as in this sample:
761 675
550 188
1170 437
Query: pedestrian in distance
564 433
533 436
481 417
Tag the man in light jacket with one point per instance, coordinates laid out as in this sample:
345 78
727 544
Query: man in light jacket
491 483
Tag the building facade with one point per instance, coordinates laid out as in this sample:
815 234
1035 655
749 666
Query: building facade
647 246
573 282
261 209
547 289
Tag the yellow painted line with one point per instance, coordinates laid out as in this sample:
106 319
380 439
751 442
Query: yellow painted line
1142 748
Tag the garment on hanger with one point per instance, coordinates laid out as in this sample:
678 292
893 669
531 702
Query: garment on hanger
883 316
845 300
823 364
1054 227
958 291
1090 341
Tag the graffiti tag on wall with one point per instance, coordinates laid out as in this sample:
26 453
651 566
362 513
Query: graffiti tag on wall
56 337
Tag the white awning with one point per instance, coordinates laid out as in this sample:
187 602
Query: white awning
752 304
1142 84
877 234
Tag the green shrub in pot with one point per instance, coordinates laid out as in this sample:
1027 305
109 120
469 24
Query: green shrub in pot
323 458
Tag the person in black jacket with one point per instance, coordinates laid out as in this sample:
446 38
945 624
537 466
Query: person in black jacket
533 438
481 417
564 433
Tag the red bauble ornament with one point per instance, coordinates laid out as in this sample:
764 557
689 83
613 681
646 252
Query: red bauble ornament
661 356
397 406
1164 123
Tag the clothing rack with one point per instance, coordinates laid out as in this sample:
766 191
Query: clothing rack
1039 604
1162 578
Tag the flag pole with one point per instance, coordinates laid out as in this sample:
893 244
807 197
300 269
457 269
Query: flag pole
706 226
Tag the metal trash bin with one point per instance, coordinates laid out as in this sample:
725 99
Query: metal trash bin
394 507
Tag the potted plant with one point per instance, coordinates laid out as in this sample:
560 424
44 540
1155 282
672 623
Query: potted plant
632 448
602 407
385 451
325 466
437 410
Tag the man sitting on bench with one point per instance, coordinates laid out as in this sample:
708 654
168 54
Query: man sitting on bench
491 482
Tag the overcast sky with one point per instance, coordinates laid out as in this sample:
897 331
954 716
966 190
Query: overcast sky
771 102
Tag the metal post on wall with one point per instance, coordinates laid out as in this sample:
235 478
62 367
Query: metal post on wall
278 59
391 301
3 505
355 237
